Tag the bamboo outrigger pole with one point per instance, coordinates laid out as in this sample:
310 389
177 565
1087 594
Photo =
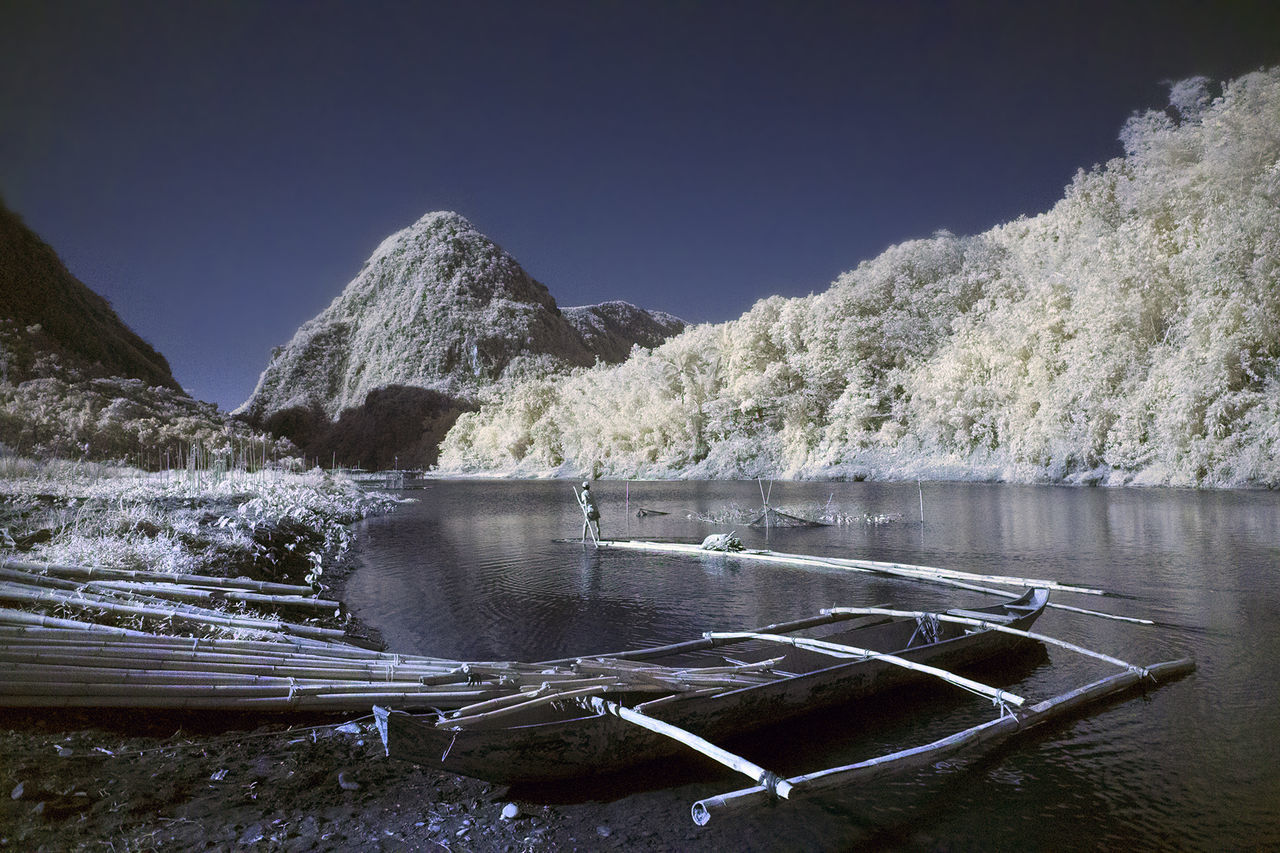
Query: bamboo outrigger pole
984 735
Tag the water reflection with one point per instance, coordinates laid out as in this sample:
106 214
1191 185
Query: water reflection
474 571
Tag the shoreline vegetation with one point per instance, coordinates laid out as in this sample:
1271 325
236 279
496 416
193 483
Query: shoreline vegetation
1130 335
134 779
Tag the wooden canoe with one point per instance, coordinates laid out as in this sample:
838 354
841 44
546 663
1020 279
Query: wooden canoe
564 739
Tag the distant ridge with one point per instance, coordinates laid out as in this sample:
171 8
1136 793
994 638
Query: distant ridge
53 325
77 383
437 314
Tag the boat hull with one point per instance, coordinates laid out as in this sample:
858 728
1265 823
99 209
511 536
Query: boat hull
587 743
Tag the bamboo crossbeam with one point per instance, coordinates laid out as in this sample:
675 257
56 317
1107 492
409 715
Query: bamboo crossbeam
670 679
986 735
546 689
993 626
909 570
844 651
704 643
780 787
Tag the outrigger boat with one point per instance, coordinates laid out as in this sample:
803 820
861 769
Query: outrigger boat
652 703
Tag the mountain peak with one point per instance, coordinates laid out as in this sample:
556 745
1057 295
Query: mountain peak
438 312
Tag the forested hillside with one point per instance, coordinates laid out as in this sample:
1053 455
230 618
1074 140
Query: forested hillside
77 383
1131 334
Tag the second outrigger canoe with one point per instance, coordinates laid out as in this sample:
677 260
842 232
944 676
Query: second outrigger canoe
765 677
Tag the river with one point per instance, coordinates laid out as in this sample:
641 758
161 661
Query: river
478 570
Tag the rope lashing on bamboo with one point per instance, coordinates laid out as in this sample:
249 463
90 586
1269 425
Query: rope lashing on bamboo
770 782
927 628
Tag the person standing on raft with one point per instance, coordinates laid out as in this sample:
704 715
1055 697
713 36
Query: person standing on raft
590 515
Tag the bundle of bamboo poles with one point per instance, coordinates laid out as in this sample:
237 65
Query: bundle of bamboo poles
182 587
51 594
589 677
62 644
51 662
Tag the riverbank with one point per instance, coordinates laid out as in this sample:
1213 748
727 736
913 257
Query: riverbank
139 780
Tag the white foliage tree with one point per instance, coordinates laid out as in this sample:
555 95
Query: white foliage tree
1131 333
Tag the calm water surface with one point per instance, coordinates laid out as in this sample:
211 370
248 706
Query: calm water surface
473 571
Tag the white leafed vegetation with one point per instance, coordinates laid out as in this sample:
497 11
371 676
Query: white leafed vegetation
1130 334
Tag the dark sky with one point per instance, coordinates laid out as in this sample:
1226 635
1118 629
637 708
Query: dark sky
220 170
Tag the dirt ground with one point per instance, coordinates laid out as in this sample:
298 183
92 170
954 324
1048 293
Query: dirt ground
92 780
84 781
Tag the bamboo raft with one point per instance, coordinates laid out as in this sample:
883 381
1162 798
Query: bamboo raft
924 574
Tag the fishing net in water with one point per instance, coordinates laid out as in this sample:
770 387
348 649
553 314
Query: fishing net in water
773 518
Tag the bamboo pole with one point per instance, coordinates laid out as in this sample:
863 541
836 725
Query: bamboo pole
13 592
842 651
82 593
95 572
67 629
346 703
189 593
883 569
646 707
987 735
704 643
12 617
265 655
239 666
780 787
903 569
501 710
